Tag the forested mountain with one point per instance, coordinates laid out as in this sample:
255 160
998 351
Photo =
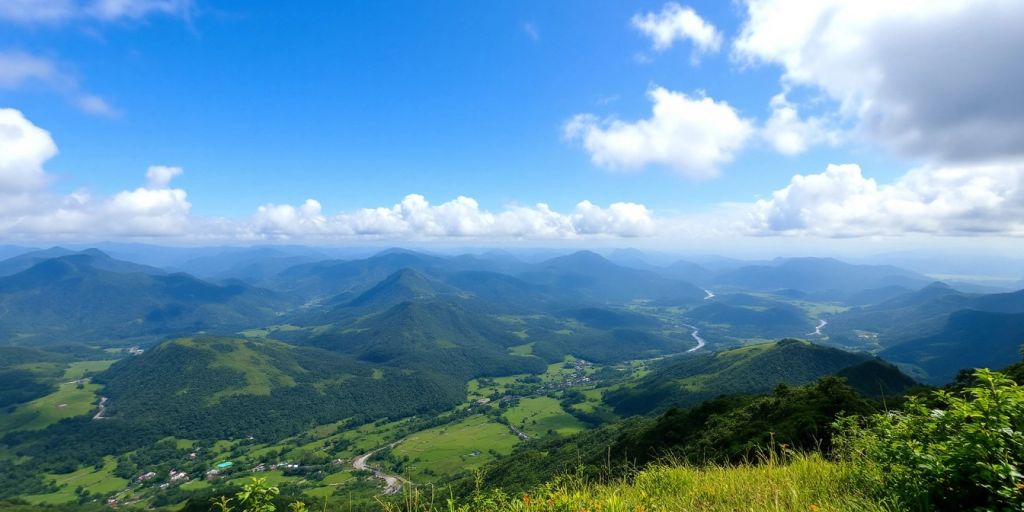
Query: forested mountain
587 276
688 380
969 339
348 278
431 334
927 313
92 257
225 388
77 295
825 277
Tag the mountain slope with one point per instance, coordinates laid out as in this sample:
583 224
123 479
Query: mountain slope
216 388
969 339
690 379
430 334
93 257
68 295
588 277
348 278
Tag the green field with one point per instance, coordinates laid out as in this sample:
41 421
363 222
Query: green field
536 416
68 401
77 370
97 481
449 449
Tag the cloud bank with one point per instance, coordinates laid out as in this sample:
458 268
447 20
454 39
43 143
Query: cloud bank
29 209
938 79
959 200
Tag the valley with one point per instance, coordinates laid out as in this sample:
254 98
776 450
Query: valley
351 379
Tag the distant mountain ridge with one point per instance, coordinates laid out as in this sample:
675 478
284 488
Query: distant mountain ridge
93 297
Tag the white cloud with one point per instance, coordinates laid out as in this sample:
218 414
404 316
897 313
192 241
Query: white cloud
415 217
790 134
28 209
59 11
693 136
946 200
678 23
24 147
20 70
160 176
933 78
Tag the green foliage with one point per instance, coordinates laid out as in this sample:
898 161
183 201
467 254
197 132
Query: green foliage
255 496
964 453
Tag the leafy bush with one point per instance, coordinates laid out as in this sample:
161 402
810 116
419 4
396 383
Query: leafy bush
957 451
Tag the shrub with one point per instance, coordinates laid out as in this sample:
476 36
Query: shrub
964 451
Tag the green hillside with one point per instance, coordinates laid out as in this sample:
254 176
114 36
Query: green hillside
433 335
216 387
969 339
70 296
690 379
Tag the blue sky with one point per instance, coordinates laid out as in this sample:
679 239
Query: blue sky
358 104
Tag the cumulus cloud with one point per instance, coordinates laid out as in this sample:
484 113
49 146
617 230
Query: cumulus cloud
677 23
58 11
691 135
24 147
20 70
791 134
158 209
944 200
27 207
160 176
415 217
933 78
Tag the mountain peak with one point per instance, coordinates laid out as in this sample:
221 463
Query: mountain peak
403 285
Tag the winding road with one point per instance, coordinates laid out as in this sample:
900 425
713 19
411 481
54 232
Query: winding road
103 407
392 483
696 336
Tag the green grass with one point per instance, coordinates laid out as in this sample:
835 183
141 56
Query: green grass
96 481
275 477
77 370
806 484
195 485
522 350
68 401
537 415
261 375
449 449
